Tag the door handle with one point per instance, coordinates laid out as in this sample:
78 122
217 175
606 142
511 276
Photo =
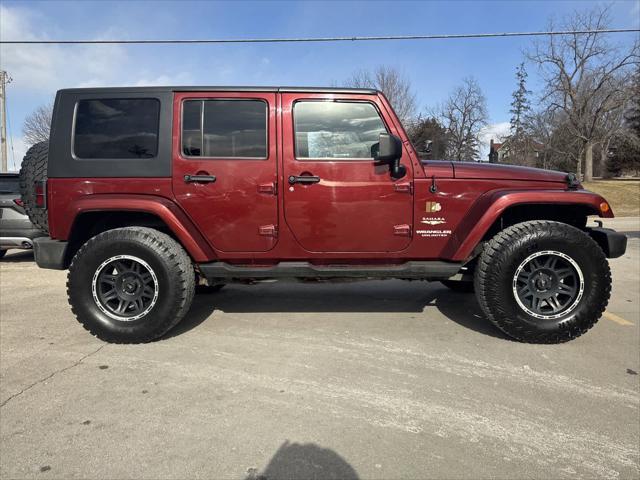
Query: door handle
199 178
304 179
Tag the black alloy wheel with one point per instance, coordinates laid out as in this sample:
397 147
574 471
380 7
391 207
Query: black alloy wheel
125 287
548 284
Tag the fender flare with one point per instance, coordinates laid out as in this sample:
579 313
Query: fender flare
166 210
490 206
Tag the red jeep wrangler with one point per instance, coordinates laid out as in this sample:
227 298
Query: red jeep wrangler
147 193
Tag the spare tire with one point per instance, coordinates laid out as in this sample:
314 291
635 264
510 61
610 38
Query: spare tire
33 171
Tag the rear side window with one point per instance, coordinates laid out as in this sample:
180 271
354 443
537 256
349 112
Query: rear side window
224 128
117 128
336 130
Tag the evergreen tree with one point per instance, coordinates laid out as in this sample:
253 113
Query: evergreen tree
427 131
520 108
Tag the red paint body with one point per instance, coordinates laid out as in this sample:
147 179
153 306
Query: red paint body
356 214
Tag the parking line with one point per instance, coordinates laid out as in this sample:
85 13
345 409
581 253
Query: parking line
615 318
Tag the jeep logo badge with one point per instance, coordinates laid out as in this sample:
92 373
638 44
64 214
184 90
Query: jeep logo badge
433 207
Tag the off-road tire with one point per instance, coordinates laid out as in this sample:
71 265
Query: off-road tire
459 286
167 260
34 169
500 260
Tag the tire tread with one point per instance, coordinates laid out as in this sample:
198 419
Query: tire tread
34 168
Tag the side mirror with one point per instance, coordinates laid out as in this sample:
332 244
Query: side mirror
390 152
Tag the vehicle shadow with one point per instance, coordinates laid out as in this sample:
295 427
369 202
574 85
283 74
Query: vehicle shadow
18 256
632 234
308 460
374 296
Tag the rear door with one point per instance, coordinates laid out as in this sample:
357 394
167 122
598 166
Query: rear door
347 203
224 167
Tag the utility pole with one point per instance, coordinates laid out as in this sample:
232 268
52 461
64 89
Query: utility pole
4 80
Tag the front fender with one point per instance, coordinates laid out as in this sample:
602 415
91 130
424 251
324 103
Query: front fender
166 210
488 208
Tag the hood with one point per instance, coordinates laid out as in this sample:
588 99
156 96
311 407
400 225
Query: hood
493 171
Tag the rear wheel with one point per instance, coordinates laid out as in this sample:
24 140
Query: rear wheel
32 172
543 282
130 285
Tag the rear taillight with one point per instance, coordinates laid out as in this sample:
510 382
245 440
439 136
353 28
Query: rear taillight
41 193
19 202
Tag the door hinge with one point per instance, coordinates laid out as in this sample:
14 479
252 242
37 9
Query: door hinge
270 188
403 187
268 231
402 230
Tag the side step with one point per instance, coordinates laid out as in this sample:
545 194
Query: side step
430 270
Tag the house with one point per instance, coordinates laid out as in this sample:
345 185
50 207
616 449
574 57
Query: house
493 151
529 155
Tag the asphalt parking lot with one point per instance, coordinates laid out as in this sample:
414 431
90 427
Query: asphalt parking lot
357 380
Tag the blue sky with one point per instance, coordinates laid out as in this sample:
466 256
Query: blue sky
434 67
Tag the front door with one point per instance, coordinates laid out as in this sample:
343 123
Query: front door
336 199
224 167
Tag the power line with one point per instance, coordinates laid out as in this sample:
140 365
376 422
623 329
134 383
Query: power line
318 39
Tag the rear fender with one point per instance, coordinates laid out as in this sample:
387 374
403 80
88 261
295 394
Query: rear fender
166 210
490 206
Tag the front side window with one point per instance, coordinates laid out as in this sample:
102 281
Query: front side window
336 130
224 128
117 128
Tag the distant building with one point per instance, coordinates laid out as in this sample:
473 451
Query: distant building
502 153
493 151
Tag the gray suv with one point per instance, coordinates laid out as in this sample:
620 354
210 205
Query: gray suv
16 230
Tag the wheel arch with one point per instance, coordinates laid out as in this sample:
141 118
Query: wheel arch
495 211
98 213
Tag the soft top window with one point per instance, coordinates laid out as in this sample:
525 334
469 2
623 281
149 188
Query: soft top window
117 128
224 128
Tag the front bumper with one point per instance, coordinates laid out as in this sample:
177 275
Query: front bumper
614 244
50 253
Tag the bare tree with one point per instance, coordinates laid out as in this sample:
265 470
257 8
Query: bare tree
37 125
561 150
612 126
585 77
395 86
464 114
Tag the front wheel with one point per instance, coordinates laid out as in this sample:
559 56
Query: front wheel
543 282
130 285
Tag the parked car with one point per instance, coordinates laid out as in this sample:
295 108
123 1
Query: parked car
16 230
147 192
